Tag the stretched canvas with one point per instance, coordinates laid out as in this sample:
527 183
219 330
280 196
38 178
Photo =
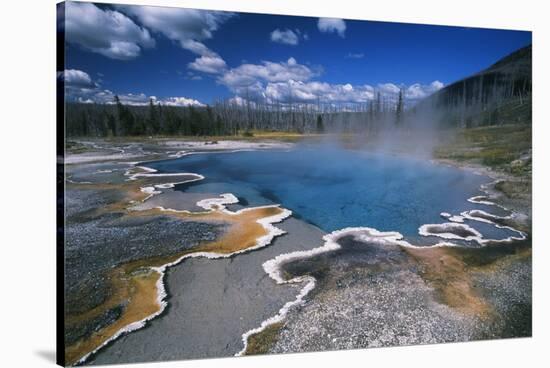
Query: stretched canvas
233 183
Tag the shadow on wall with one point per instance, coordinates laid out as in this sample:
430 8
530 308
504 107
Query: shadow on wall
47 355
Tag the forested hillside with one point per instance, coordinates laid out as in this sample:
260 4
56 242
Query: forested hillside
500 94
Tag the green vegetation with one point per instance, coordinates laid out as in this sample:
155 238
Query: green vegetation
251 136
320 126
505 148
75 147
500 94
260 342
399 109
224 119
514 190
118 120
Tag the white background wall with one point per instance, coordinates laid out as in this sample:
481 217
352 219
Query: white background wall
27 227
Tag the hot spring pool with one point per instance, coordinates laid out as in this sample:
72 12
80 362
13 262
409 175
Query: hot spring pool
335 188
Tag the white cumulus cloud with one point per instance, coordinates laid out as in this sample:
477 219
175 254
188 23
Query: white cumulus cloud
313 92
267 71
186 26
180 101
106 32
330 25
287 37
79 87
208 64
142 99
189 27
389 88
290 81
249 80
77 78
417 91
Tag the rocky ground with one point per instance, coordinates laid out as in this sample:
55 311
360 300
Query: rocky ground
367 294
372 296
98 241
213 303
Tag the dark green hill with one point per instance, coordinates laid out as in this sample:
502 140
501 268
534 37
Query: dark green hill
500 94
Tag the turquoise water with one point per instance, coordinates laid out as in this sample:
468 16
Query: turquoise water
336 188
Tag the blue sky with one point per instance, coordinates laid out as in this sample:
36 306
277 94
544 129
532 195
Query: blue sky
183 56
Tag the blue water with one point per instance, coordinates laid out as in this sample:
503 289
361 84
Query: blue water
336 188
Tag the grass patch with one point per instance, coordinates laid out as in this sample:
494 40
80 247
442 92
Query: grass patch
249 135
505 148
514 190
260 342
75 147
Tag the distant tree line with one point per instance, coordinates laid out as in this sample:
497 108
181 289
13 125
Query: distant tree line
112 120
229 118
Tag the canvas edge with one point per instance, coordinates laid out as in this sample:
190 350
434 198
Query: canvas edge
60 185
